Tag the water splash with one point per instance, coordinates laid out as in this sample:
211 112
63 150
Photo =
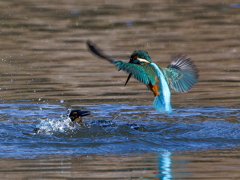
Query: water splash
191 128
51 126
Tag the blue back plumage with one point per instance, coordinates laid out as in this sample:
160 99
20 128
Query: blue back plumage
162 101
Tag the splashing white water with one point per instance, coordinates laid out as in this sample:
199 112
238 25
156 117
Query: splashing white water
50 126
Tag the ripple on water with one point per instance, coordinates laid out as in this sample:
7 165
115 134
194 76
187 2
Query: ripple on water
189 128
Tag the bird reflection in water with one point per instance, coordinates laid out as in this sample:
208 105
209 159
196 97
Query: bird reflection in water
164 166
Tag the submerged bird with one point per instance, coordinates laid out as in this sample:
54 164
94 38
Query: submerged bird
181 75
74 121
75 117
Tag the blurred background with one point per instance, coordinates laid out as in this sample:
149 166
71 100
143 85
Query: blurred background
44 54
47 69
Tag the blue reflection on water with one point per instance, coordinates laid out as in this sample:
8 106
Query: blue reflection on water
164 166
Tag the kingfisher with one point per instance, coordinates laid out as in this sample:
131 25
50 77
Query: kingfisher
76 116
181 75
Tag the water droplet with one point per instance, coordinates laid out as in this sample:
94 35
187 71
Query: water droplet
129 23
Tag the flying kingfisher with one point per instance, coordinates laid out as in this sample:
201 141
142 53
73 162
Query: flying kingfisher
181 75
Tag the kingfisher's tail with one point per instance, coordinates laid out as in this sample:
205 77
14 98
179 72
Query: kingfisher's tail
160 104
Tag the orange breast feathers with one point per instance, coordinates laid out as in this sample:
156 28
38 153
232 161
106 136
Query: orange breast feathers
154 89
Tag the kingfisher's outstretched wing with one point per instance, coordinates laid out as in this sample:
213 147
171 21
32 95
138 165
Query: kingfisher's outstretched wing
181 74
142 72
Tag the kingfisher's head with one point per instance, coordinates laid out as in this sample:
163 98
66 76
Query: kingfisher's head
76 115
139 57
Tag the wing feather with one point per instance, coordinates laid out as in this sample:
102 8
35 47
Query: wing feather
142 72
181 74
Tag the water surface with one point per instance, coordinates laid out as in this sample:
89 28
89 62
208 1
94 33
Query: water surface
46 70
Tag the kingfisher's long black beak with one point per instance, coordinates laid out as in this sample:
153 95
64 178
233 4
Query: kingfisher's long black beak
85 113
76 115
129 76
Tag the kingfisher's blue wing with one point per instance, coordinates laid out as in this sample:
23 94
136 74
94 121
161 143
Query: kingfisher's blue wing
150 73
181 74
142 72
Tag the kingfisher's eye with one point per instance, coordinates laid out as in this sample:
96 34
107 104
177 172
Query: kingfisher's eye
135 57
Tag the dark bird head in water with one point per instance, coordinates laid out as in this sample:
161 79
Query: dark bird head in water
76 115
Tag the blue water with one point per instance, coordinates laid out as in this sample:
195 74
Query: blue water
188 128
